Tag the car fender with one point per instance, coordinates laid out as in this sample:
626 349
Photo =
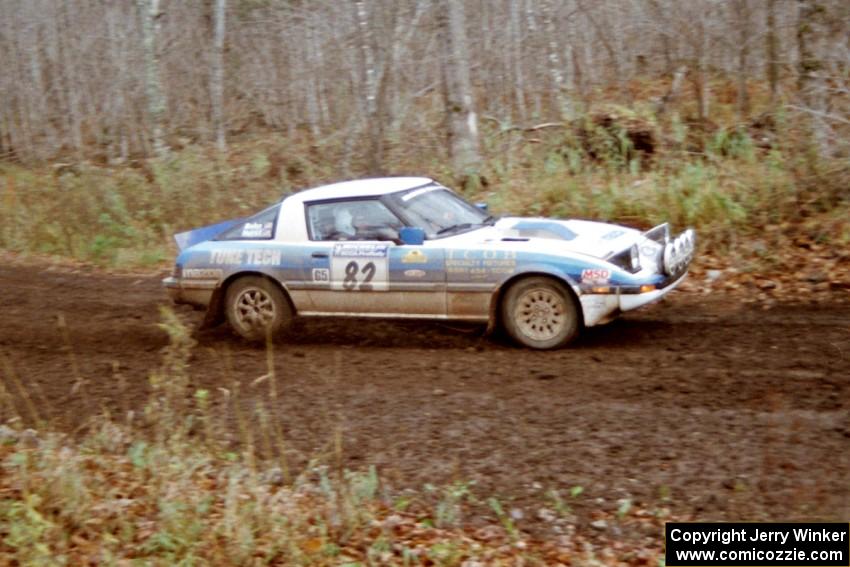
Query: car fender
215 310
535 269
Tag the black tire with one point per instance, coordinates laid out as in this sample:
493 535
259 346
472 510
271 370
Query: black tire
256 308
540 313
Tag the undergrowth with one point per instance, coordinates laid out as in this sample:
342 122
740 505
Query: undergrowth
169 487
727 187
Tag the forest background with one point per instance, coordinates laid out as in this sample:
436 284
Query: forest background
727 115
123 122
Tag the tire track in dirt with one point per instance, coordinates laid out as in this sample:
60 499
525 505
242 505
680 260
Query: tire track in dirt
700 404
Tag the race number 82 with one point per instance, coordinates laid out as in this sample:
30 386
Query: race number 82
370 273
358 277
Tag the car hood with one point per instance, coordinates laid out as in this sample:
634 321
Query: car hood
596 239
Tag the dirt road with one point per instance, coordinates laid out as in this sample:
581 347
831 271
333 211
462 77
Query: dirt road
699 404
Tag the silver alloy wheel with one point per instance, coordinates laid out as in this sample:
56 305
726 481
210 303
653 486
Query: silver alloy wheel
540 314
255 309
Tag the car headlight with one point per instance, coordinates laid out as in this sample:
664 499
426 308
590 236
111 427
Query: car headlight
634 258
628 259
679 252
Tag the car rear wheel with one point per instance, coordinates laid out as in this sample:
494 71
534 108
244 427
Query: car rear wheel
540 313
256 308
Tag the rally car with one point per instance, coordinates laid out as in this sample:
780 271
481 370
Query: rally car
408 247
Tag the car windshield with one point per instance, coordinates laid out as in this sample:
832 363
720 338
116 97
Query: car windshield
438 211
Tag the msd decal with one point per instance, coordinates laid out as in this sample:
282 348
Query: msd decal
595 275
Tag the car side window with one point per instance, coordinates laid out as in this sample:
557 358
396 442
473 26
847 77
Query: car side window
352 220
257 227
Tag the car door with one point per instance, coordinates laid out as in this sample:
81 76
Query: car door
355 269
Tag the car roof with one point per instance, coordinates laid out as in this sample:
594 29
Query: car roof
373 187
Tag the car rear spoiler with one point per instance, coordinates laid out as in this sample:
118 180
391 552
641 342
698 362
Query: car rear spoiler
196 236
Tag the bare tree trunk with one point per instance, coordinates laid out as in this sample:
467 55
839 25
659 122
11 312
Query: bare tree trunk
150 15
772 40
5 141
742 17
516 52
700 75
392 98
91 78
314 113
120 124
668 56
217 75
671 95
810 82
374 122
322 105
38 94
462 120
807 64
557 69
20 130
610 49
533 32
69 74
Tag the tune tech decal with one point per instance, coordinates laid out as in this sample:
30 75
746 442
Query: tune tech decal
251 256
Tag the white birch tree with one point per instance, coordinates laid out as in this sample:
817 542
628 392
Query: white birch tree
217 75
150 14
457 87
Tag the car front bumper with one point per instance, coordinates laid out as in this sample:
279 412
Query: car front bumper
599 308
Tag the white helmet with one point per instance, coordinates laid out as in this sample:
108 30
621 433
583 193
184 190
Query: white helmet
342 219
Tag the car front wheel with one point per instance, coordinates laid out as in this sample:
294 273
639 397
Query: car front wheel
540 313
256 308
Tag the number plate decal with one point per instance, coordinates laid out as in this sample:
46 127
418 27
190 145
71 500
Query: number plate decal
321 275
360 267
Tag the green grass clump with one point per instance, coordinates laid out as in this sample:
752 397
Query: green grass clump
127 215
728 199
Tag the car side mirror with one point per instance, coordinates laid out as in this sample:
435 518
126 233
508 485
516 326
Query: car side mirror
412 235
482 207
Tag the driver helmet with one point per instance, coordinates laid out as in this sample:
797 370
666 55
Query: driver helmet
343 220
360 217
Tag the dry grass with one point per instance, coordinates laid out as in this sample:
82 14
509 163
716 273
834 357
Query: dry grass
166 489
719 182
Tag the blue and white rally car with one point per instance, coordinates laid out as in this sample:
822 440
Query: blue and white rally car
408 247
